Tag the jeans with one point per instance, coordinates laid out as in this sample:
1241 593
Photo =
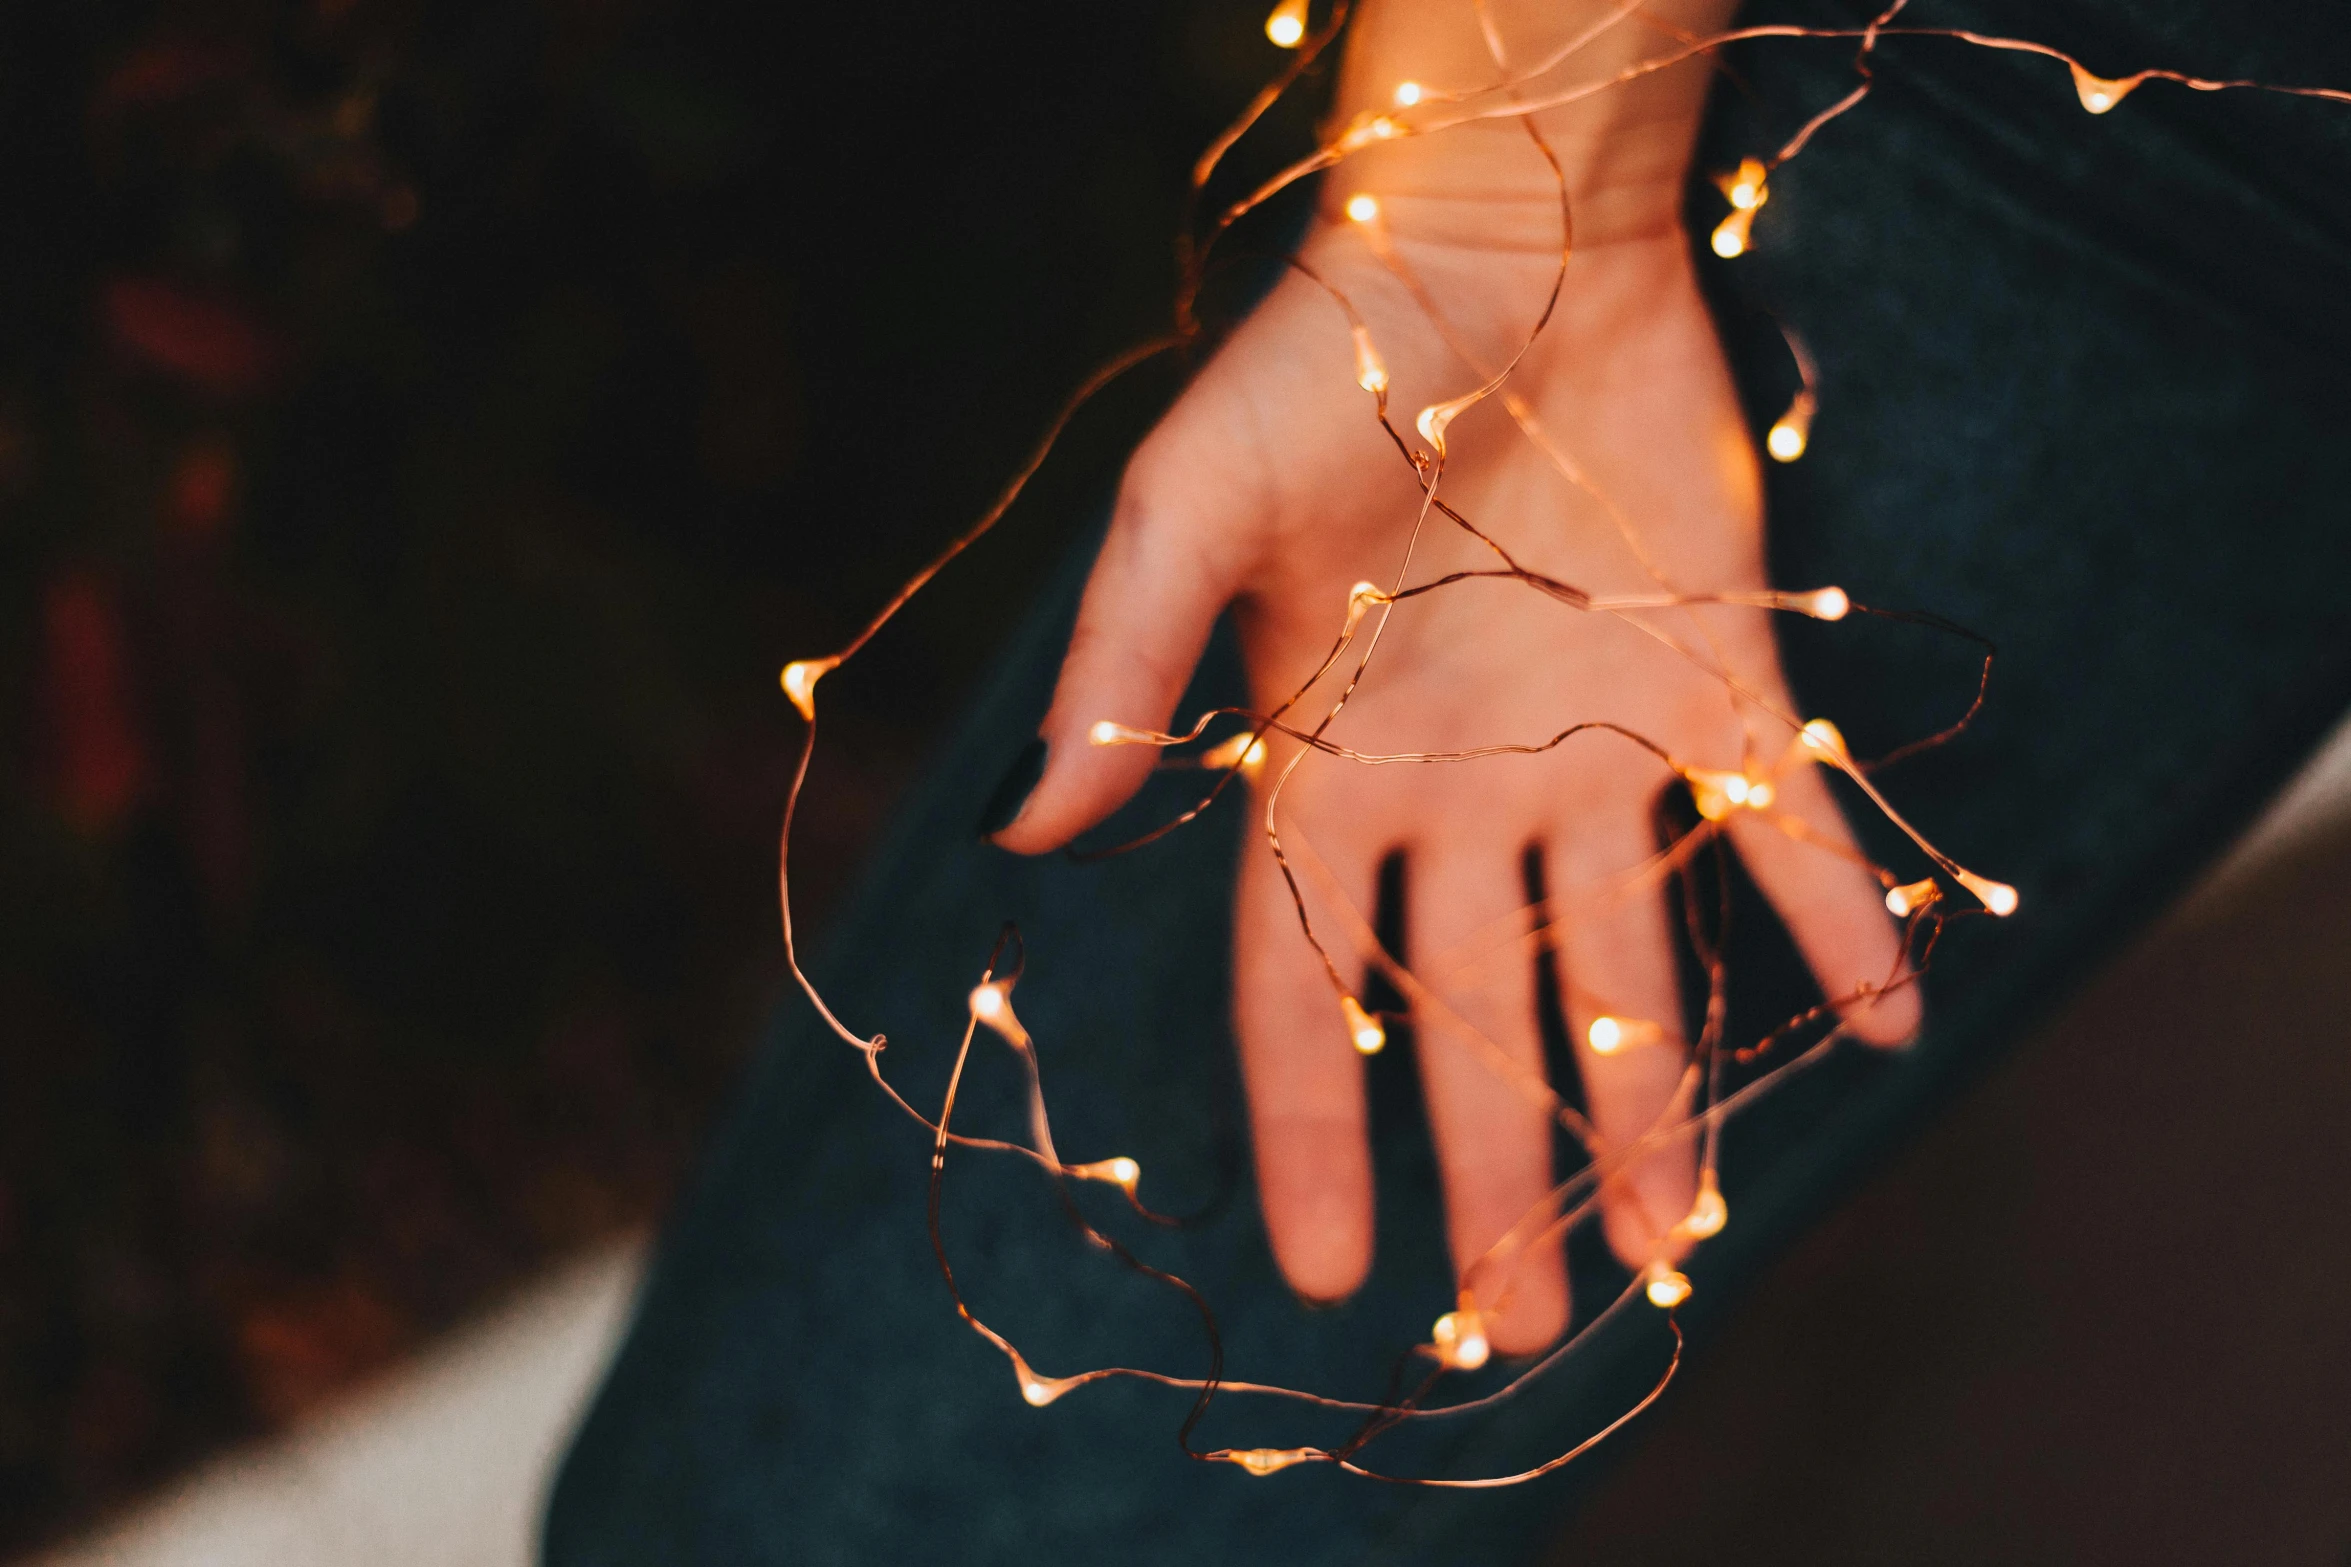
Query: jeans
2082 392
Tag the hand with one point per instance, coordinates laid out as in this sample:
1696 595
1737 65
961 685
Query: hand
1271 487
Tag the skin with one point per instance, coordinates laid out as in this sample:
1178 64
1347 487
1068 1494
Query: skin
1269 487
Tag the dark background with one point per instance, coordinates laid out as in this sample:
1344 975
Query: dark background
425 429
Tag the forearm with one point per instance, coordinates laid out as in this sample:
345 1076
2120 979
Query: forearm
1625 150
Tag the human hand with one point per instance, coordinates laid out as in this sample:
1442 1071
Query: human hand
1271 487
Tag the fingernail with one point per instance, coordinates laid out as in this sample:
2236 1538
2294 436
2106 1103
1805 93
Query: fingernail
1013 789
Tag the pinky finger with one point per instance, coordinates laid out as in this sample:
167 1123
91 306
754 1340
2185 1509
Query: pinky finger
1833 905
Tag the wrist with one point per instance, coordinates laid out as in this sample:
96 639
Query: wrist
1623 151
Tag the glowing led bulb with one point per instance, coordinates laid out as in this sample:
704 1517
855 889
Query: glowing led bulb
1370 373
1361 208
1608 1035
799 682
1716 793
1437 417
1707 1215
1905 900
1039 1391
1286 26
1819 603
1120 1171
1368 1033
1265 1460
1459 1340
1105 732
1360 599
1745 189
1746 192
1730 235
1243 751
1666 1288
1789 436
992 1004
1828 604
1996 896
1407 94
1823 739
2101 93
1366 129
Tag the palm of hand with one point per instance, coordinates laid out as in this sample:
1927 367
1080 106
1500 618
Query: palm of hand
1270 485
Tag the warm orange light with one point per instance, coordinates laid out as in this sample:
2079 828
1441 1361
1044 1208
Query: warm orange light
1120 1171
1708 1213
1666 1288
799 682
1265 1460
1608 1035
1820 603
1459 1340
1905 900
1244 751
1996 896
1793 432
1407 94
1823 739
1369 1035
1828 604
1362 208
1435 419
992 1004
1719 793
1745 189
2101 93
1730 235
1746 192
1286 26
1039 1391
1370 373
1105 732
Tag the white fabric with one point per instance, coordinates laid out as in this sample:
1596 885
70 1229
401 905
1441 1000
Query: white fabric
443 1464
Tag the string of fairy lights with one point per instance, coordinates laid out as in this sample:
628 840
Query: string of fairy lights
1458 1340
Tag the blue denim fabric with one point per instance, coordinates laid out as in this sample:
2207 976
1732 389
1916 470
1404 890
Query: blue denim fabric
2082 391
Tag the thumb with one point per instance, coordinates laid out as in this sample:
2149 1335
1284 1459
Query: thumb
1179 542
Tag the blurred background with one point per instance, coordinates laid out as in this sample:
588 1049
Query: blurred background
425 428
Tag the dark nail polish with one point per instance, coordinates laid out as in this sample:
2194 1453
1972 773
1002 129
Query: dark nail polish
1012 790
